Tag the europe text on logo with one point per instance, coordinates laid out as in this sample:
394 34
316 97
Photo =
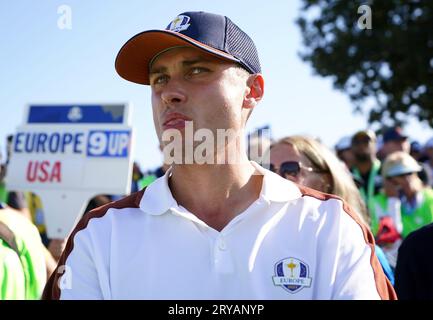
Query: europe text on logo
292 275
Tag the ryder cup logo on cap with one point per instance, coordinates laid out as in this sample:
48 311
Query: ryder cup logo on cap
180 23
212 33
292 275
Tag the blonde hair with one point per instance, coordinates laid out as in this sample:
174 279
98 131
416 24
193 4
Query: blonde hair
322 158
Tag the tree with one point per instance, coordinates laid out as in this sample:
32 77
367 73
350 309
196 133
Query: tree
390 64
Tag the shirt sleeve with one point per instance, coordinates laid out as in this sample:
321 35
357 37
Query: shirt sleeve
359 275
80 274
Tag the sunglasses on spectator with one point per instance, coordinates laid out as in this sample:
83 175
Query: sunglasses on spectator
293 168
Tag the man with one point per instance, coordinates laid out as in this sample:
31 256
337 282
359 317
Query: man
210 230
414 271
12 278
405 198
366 168
29 249
403 206
13 199
429 154
343 150
394 140
416 151
22 239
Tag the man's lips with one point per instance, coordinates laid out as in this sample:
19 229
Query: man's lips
175 120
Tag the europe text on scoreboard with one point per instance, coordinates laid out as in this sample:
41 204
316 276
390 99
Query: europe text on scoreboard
67 154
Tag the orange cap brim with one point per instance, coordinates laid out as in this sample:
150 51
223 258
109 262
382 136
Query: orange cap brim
132 61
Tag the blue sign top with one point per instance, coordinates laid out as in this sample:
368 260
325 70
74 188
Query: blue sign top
76 114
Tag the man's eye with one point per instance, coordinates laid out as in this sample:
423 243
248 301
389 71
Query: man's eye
160 79
198 70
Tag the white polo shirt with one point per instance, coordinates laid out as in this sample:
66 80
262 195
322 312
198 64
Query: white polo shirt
291 243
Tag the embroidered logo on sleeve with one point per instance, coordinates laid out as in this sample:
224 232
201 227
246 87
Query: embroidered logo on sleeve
292 275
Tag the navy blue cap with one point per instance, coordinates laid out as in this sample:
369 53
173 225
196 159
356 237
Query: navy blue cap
213 33
415 146
394 134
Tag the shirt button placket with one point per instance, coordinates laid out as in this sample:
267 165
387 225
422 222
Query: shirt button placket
222 259
222 245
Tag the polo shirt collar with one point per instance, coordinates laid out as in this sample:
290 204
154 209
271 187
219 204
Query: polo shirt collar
158 199
275 188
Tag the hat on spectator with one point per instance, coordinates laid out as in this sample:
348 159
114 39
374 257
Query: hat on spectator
399 163
394 134
415 146
364 133
344 143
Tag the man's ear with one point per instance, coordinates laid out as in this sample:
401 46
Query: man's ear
256 86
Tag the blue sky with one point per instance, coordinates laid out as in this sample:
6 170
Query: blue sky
40 63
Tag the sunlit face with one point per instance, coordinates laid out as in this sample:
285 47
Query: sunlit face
393 146
347 157
307 176
363 147
190 85
407 182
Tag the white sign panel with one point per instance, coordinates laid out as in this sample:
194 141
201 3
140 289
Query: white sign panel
67 154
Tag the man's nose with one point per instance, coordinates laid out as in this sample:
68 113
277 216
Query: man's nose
173 94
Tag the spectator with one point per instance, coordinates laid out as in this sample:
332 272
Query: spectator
12 281
394 140
366 169
428 149
152 175
137 175
258 143
414 271
36 209
417 153
98 201
343 149
29 249
14 199
404 199
318 168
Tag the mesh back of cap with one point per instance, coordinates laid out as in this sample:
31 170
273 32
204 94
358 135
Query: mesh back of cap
240 45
